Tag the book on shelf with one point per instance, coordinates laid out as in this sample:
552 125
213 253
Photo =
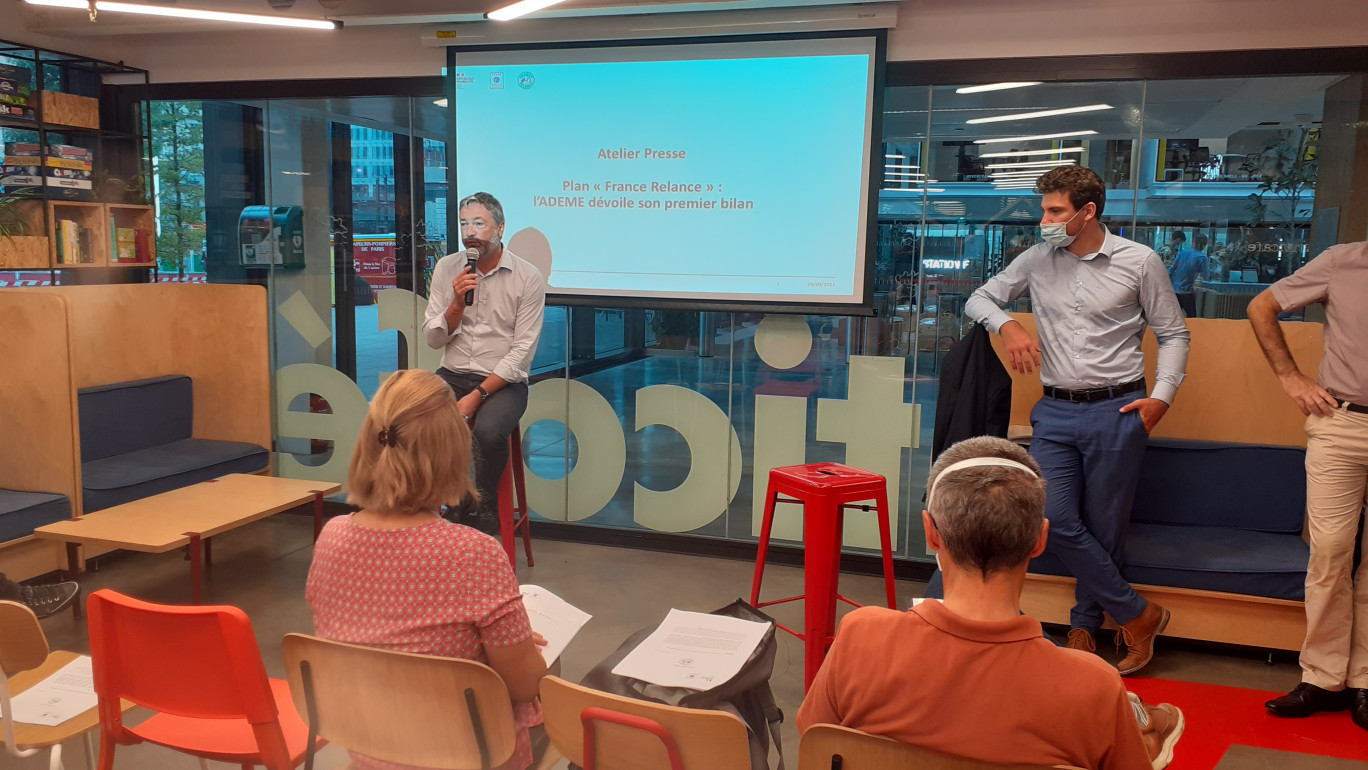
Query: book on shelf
142 243
86 240
38 161
68 242
126 245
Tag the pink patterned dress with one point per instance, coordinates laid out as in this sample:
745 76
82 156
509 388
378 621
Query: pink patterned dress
435 589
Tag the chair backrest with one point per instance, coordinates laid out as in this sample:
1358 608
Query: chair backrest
396 706
821 745
705 740
201 662
22 643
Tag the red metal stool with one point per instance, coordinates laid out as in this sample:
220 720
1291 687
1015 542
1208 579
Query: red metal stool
514 517
824 490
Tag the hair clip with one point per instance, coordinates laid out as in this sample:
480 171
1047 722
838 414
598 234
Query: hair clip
389 436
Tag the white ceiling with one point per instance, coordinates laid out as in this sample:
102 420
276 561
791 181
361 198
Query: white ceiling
60 22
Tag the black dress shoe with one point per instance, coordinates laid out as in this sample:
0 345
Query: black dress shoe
1307 699
1360 711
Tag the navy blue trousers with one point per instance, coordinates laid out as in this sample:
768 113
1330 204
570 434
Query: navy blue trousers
1090 454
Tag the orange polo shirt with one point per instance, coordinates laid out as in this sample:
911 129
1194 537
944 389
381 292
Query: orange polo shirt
995 692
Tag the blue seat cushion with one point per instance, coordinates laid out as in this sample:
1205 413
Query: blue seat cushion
115 480
124 417
23 512
1212 484
1218 559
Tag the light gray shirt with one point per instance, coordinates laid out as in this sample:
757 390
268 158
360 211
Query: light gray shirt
498 334
1339 278
1091 313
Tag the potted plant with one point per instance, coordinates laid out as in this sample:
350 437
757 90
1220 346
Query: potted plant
19 248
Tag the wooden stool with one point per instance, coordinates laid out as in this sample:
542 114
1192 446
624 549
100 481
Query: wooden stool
513 514
824 490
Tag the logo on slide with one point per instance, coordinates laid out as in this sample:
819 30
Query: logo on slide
525 80
496 80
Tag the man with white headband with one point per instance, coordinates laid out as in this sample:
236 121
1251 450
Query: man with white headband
970 675
1093 294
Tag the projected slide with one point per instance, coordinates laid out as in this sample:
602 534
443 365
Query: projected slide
731 172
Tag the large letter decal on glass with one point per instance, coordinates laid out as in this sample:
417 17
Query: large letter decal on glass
875 425
341 427
715 452
602 450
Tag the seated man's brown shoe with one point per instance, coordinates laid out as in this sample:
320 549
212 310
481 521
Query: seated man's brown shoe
1160 728
1139 635
1081 639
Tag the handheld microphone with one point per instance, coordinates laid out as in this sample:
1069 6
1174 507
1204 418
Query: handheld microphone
472 259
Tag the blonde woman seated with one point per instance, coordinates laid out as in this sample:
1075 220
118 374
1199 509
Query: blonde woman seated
395 575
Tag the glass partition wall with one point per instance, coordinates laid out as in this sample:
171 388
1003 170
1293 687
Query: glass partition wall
668 421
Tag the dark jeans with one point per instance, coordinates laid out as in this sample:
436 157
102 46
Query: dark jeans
495 420
1187 300
1090 455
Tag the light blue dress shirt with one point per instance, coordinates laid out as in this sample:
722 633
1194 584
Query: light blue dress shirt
1091 313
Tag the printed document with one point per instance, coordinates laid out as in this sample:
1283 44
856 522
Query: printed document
694 650
554 618
69 692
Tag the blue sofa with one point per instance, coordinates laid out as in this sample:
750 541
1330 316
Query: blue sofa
137 441
23 512
1218 517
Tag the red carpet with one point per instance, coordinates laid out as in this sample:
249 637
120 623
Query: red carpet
1220 717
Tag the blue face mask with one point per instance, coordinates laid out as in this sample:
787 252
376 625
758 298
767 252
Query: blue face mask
1057 233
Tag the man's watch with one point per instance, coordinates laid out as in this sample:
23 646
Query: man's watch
484 394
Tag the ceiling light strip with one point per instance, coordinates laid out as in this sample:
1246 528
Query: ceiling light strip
995 87
1041 114
1036 138
1025 153
175 12
1036 163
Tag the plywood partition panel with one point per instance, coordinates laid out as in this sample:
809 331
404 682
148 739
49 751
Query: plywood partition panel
38 447
1230 394
216 334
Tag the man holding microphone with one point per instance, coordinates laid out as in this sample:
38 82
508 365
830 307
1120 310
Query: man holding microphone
486 320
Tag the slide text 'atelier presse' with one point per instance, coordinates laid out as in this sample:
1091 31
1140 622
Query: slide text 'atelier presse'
622 153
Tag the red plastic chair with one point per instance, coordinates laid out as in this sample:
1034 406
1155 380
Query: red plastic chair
200 669
514 517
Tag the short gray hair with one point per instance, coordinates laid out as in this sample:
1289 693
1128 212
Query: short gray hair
988 516
486 200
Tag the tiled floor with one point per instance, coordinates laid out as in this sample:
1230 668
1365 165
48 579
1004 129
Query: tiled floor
262 569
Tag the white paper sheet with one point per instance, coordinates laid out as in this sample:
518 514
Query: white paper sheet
554 618
694 650
69 692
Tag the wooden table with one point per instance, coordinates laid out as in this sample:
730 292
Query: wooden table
188 516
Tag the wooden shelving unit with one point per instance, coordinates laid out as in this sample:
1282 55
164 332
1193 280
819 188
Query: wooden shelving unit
72 124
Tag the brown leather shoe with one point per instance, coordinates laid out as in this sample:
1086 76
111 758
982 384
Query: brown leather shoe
1081 639
1138 636
1160 728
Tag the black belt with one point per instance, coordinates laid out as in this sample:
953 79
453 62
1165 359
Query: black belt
1351 406
1094 394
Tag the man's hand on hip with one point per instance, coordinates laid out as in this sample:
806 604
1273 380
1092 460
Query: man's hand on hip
1152 410
1309 396
1022 351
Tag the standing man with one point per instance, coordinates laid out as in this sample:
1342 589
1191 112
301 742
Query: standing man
487 346
1093 294
1188 265
1334 656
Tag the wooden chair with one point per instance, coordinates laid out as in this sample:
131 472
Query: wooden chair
200 669
411 709
829 747
599 731
24 662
